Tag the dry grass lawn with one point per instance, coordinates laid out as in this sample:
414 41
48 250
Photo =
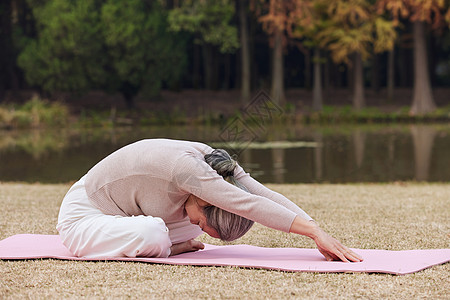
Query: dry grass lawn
383 216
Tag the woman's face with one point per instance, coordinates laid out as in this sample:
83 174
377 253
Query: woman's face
194 209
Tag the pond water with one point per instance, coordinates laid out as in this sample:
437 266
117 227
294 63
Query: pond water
276 154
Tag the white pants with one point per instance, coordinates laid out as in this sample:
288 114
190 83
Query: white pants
87 232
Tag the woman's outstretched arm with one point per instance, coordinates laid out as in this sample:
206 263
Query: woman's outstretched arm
331 248
207 185
303 224
258 188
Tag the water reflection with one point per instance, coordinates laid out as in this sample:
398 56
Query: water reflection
359 142
36 143
278 168
423 138
291 155
318 138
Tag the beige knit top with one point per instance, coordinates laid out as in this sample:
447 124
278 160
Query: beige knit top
154 177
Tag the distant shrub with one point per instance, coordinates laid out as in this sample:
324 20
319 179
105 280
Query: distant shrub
5 116
34 114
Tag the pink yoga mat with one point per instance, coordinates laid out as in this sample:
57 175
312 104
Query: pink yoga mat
32 246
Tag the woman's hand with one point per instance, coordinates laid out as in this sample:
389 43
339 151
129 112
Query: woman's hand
188 246
331 248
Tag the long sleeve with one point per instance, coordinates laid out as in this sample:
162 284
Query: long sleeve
200 179
257 188
154 177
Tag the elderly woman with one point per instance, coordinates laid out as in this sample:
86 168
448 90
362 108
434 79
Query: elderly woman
155 196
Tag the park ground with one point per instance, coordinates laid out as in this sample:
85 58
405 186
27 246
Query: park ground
394 216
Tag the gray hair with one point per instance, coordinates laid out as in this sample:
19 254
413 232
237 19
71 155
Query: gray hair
228 225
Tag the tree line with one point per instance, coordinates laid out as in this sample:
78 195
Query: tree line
136 47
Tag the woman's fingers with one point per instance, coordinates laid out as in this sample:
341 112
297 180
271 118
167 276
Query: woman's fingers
349 254
188 246
328 256
193 245
334 255
341 256
196 245
332 249
354 256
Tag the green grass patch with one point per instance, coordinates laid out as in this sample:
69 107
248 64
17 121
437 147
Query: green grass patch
346 114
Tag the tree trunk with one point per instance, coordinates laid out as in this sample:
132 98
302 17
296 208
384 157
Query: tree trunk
255 79
196 76
422 96
340 75
208 67
5 46
129 101
129 91
277 91
390 76
245 52
326 78
358 83
226 72
215 57
317 88
307 71
349 75
375 74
